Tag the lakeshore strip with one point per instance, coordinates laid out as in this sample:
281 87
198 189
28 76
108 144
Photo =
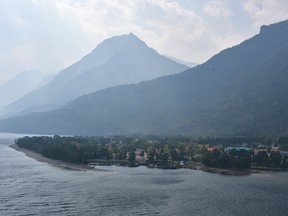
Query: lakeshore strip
78 167
56 163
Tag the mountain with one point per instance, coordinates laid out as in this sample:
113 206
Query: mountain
19 85
240 91
116 61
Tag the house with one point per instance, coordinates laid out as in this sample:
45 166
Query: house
140 156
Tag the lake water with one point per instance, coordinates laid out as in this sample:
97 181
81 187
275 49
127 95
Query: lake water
29 187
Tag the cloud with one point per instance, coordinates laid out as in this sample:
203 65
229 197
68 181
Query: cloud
266 11
217 8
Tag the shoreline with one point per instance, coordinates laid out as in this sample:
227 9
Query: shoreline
242 172
79 167
230 172
55 163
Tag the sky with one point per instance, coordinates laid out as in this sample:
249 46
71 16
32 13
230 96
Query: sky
50 35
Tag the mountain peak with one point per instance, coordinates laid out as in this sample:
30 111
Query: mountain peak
132 35
116 43
108 48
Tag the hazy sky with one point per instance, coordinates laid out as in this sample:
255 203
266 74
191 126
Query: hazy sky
50 35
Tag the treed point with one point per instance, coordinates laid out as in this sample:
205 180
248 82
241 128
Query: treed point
172 152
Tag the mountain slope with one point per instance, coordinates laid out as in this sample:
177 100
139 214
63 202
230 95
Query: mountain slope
19 86
240 91
119 60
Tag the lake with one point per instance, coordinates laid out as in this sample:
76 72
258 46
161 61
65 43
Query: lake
29 187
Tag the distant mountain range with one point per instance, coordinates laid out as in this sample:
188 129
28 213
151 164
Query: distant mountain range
189 64
116 61
240 91
20 85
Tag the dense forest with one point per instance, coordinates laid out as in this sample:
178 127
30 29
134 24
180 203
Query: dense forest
159 150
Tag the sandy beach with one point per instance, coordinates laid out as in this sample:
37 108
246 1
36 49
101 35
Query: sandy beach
56 163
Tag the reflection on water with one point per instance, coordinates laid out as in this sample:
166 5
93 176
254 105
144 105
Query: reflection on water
28 187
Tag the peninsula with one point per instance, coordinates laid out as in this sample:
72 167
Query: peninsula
86 153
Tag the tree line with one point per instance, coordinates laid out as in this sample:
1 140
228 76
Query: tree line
158 149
